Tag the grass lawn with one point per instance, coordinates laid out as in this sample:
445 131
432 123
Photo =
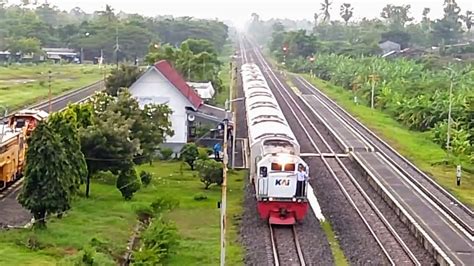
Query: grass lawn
21 85
224 75
109 219
416 146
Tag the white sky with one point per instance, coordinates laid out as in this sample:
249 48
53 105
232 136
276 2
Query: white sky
239 10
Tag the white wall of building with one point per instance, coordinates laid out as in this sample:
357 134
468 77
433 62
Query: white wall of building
153 87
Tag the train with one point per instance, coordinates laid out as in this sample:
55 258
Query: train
273 153
13 135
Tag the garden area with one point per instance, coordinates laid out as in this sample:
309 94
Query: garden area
102 224
21 85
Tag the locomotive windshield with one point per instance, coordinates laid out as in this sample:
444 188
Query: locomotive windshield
289 167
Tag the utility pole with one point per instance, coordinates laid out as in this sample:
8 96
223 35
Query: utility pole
448 148
224 194
117 46
49 92
374 78
234 119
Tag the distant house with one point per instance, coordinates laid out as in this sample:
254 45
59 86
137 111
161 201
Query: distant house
389 46
58 54
162 84
204 90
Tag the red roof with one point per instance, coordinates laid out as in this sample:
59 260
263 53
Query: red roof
175 78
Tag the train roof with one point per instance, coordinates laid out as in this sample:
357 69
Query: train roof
37 114
7 133
265 119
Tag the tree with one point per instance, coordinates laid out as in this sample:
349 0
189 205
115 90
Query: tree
210 172
122 77
397 16
64 124
426 20
325 7
128 183
448 29
23 45
468 20
107 144
346 12
46 186
189 154
199 46
153 126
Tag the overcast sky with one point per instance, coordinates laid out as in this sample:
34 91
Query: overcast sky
239 10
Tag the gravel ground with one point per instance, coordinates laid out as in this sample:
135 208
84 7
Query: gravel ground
12 213
354 238
254 232
313 241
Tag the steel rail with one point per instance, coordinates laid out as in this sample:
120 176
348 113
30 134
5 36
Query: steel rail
465 226
397 238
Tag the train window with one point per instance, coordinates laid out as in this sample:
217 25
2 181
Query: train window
263 171
268 120
277 143
290 167
276 167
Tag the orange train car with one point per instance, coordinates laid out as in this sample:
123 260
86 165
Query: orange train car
13 137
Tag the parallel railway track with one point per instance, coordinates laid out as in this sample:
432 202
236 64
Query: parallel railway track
57 104
395 250
459 212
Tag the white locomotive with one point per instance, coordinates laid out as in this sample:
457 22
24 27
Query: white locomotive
274 153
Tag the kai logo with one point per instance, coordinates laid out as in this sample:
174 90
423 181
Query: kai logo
282 182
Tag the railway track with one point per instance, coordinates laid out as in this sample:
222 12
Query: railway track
286 247
394 248
459 212
406 188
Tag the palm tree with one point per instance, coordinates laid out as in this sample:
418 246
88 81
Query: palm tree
108 13
468 19
325 8
346 12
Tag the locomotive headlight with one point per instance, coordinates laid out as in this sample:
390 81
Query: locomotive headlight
270 199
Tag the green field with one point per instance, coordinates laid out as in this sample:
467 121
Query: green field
415 146
21 85
110 219
224 75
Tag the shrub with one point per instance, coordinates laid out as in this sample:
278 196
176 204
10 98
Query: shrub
159 240
166 153
87 256
203 153
210 172
200 196
163 204
189 153
128 183
146 177
144 212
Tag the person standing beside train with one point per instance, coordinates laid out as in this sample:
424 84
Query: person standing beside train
301 178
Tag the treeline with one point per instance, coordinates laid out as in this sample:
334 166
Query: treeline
26 28
414 93
362 37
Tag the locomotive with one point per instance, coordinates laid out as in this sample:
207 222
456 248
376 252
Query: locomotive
13 135
274 153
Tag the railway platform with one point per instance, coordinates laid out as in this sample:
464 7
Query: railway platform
350 140
453 244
